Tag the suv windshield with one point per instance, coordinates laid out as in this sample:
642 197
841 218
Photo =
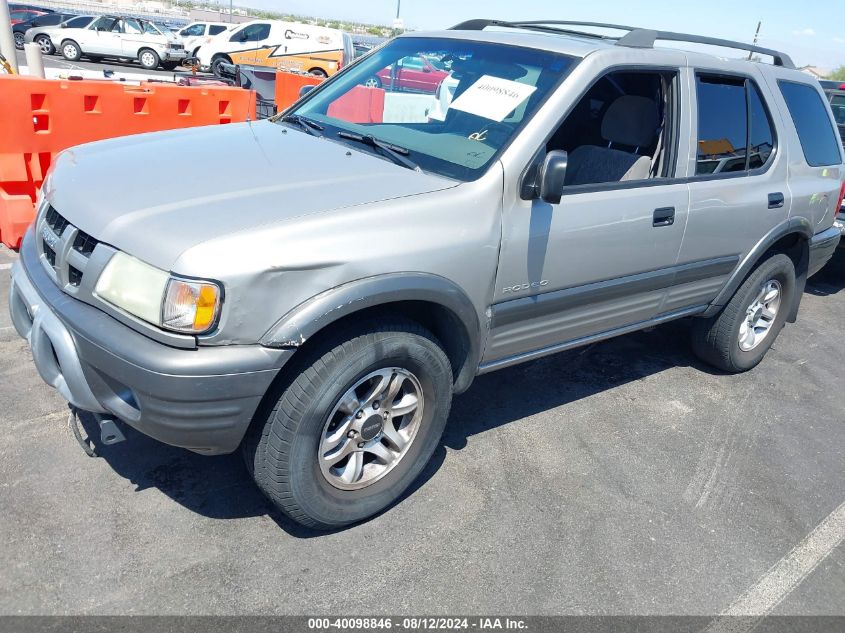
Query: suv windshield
451 115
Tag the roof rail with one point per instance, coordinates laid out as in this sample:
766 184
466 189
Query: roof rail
635 38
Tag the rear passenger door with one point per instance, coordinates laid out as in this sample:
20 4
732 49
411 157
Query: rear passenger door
738 177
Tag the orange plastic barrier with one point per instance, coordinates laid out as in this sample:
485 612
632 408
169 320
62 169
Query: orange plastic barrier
359 105
41 117
288 86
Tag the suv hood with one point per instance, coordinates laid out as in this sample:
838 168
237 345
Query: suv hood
157 195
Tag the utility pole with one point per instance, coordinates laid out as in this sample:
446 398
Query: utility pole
756 35
7 41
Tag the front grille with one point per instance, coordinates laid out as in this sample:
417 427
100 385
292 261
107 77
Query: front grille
65 249
49 253
74 276
56 221
84 244
176 47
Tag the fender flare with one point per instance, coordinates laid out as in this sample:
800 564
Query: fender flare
311 316
793 226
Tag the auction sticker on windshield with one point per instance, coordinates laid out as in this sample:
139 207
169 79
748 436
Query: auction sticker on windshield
493 97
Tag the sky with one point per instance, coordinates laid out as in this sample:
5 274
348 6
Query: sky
811 31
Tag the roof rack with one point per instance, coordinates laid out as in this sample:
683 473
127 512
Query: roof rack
634 38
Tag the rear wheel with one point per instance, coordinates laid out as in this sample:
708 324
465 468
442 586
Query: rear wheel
19 40
355 427
737 338
46 45
149 59
71 51
318 72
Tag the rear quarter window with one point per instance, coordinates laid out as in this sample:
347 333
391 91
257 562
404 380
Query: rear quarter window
812 122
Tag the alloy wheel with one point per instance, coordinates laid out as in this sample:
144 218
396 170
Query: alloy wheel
371 428
760 316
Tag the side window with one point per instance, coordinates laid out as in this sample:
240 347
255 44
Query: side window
411 63
722 125
761 138
78 23
132 26
252 33
50 19
620 130
214 29
812 123
196 29
735 130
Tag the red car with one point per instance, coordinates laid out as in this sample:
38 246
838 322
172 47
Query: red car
414 74
22 15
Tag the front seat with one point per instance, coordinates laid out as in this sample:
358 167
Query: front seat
630 121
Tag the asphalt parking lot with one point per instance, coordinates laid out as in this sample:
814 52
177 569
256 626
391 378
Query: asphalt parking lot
622 478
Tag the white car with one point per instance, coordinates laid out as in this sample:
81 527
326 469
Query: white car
198 33
122 37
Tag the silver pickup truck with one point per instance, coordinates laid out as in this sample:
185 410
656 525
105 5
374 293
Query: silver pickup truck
330 278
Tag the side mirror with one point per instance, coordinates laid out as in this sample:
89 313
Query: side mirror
552 176
305 90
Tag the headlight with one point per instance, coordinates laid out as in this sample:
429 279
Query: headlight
153 295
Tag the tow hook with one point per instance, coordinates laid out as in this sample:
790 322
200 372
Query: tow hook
109 432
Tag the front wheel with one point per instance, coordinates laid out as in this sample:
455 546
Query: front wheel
149 59
318 72
736 339
169 65
373 82
355 427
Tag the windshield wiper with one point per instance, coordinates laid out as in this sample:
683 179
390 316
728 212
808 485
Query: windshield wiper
395 152
312 127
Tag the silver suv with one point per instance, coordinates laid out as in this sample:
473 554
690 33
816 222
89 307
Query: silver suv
362 257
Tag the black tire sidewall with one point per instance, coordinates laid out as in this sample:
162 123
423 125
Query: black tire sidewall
313 493
781 269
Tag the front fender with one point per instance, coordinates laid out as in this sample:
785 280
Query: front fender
311 316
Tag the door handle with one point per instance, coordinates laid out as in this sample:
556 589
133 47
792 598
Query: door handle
776 200
664 216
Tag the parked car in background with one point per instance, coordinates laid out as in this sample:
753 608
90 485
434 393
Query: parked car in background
317 50
416 73
198 33
121 37
22 15
28 7
837 104
43 36
44 21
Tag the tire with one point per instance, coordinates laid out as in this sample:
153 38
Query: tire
373 82
71 51
725 340
169 65
215 64
318 72
46 45
19 41
148 59
287 441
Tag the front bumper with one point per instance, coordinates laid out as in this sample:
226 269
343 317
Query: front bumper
822 247
201 399
174 55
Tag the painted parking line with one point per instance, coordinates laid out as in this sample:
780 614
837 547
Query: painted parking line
5 266
783 577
